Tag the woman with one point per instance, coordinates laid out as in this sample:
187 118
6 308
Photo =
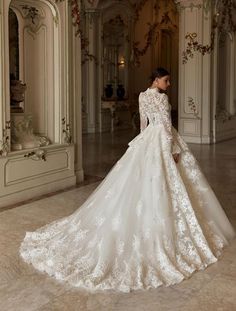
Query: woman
153 221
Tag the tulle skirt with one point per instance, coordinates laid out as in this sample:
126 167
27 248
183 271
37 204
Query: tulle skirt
150 222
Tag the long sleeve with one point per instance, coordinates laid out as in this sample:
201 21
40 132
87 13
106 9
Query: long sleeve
143 116
166 120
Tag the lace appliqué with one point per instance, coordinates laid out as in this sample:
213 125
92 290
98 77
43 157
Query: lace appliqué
149 223
155 107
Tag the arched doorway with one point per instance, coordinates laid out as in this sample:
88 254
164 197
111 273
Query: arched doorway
151 40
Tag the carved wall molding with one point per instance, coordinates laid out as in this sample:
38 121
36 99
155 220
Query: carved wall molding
36 155
193 107
223 22
223 114
66 130
33 14
5 142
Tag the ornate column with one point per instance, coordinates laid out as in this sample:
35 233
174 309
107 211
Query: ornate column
224 71
75 96
90 79
4 80
195 117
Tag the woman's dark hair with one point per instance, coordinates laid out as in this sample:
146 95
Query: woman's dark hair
159 73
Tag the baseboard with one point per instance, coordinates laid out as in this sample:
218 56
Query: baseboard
36 191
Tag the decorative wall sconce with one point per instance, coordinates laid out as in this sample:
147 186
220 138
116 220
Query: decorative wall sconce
121 63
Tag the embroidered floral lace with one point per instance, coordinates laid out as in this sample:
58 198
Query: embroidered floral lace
155 108
151 221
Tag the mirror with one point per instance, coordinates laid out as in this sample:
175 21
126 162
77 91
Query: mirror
115 58
17 88
34 80
13 44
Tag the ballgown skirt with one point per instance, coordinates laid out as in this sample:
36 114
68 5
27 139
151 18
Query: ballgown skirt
150 222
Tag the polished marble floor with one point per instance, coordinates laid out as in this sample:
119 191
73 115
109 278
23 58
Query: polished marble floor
24 289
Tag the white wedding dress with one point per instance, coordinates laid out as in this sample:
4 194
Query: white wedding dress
150 222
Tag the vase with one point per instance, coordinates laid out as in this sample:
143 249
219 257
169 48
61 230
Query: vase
109 90
120 92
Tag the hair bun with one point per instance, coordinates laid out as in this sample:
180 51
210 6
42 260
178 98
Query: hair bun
159 73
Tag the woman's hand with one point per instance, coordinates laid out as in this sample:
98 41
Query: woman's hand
176 157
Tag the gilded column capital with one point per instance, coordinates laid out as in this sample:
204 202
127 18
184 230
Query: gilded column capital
205 5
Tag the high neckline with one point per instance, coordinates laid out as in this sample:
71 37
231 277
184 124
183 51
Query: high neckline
153 89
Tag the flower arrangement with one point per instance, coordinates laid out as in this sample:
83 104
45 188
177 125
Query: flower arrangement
150 36
222 21
76 13
194 46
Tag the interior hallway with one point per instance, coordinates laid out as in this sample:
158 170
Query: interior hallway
24 289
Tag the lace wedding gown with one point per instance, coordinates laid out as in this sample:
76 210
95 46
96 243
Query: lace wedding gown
151 221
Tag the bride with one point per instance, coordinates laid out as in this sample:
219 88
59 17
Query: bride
154 220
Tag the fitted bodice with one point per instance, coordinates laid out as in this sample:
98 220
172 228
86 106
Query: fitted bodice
154 118
155 108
